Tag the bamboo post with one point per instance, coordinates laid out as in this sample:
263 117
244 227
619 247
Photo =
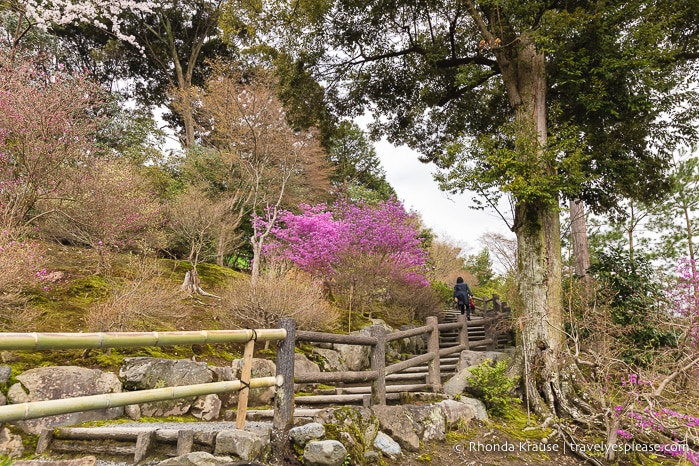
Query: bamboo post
284 399
378 364
48 341
245 375
434 378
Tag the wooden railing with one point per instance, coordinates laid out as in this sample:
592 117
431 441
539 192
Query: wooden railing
285 377
378 370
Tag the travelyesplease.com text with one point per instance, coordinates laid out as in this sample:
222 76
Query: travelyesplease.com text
590 448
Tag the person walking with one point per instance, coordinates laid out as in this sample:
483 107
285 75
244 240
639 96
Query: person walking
462 293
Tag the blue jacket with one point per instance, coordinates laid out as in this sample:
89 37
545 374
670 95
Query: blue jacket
462 292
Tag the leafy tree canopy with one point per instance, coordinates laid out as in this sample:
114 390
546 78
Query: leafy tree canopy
618 82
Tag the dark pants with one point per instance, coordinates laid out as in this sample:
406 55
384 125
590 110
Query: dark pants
465 308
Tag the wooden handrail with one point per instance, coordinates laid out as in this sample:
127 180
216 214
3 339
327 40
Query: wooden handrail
320 337
284 399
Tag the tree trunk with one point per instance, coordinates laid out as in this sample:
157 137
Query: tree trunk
549 375
256 261
578 226
542 338
191 282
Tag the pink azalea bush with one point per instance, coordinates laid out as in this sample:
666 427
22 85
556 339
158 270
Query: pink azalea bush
643 415
322 240
642 420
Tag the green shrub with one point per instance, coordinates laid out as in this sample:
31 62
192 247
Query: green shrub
493 386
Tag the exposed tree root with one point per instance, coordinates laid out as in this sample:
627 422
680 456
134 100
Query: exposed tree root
192 285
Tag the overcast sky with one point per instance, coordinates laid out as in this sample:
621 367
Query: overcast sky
448 216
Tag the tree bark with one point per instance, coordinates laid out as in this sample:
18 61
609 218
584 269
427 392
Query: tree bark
578 226
549 374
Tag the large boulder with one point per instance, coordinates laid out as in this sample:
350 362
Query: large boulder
477 406
412 345
457 383
206 407
225 374
198 458
458 412
396 422
428 422
303 365
469 358
386 445
59 382
248 446
330 360
10 444
145 373
5 373
301 435
356 427
324 453
355 357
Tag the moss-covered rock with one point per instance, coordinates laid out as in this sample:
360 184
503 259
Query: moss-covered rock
355 427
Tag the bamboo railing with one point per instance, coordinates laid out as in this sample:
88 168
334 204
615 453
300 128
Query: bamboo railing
51 341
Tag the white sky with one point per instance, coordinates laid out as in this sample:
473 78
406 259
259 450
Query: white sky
450 217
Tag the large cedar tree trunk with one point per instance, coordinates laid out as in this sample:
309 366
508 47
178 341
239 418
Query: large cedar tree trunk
549 376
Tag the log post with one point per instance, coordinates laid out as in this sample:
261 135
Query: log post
463 333
434 378
378 364
284 400
490 334
496 303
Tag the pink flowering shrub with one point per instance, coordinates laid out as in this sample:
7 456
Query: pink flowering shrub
21 263
321 240
641 414
360 251
48 122
21 267
642 420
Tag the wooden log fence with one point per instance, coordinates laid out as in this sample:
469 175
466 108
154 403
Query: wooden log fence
287 335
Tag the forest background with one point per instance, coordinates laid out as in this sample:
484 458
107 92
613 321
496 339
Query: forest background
580 104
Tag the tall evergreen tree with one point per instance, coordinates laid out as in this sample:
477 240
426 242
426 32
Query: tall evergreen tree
539 100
